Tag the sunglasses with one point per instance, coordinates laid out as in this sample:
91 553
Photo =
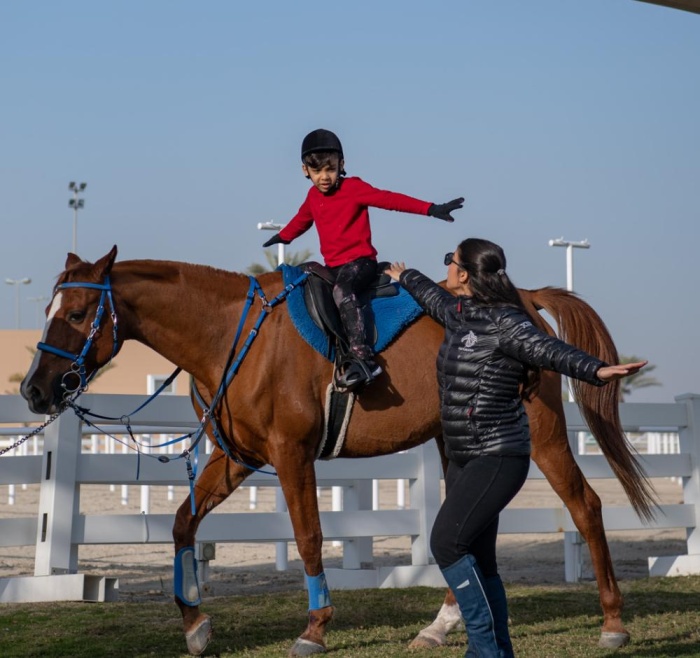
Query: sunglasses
449 258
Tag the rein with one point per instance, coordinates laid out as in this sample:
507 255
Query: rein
233 363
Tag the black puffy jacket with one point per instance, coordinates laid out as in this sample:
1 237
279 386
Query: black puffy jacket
481 365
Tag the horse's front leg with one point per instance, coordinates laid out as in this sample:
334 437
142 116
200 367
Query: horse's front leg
551 452
219 478
298 480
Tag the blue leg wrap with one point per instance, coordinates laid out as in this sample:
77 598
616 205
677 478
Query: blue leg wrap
319 596
186 585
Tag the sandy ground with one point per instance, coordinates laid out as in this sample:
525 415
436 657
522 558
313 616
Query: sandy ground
145 571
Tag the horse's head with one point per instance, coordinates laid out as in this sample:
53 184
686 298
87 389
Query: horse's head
80 335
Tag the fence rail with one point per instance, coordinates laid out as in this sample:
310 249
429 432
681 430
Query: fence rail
63 467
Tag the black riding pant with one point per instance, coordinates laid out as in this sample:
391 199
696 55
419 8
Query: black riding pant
352 279
467 522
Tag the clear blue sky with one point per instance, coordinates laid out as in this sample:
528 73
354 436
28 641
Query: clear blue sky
554 118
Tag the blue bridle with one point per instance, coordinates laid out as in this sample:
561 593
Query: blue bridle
78 360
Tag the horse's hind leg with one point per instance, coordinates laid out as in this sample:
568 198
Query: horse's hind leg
551 452
435 635
218 480
298 481
449 616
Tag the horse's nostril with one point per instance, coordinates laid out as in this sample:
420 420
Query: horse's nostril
31 393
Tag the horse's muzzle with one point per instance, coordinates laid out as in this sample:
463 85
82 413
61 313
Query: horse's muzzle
38 400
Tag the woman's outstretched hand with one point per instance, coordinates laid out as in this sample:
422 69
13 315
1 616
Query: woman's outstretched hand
611 373
394 270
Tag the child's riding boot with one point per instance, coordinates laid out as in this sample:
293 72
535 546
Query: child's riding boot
496 596
357 372
465 580
364 369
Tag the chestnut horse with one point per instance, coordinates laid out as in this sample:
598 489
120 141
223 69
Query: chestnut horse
272 410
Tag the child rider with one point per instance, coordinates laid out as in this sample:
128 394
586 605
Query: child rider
338 206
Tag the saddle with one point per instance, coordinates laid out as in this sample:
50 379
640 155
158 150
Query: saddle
388 310
318 297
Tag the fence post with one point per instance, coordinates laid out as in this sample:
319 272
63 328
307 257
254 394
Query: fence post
281 552
424 494
357 552
689 438
59 498
573 542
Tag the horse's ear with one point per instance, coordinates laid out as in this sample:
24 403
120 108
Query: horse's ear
105 263
71 260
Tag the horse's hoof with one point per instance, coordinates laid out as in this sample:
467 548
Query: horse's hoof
198 638
613 640
304 647
425 641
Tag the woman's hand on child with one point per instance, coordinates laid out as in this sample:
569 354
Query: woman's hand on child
611 373
443 210
394 270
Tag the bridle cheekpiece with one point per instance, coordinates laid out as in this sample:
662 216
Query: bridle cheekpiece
78 360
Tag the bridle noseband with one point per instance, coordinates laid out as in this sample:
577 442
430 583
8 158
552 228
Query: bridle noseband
78 360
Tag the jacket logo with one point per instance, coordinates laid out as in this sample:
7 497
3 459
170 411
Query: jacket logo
469 340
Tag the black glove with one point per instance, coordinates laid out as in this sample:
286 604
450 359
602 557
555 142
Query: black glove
275 239
443 210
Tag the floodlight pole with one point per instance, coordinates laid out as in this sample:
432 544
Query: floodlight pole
271 226
573 542
17 283
76 203
570 246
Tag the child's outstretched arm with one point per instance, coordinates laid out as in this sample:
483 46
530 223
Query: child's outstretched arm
300 223
376 198
275 239
443 210
611 373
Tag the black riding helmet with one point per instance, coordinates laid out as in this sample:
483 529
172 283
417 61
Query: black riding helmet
321 140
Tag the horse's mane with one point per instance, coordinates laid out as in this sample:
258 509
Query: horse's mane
163 271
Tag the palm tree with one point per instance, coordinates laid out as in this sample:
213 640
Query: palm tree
640 380
293 258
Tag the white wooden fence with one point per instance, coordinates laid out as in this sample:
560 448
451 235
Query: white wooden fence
58 529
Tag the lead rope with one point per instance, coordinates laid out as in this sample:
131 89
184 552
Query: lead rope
34 432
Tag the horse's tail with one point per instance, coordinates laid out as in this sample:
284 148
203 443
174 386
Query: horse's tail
581 326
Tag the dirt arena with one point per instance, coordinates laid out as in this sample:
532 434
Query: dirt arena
145 571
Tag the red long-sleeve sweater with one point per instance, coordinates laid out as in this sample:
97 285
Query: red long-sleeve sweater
342 218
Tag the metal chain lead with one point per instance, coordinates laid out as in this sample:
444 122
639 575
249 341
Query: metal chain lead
34 432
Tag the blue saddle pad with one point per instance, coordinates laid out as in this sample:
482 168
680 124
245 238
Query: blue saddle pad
391 315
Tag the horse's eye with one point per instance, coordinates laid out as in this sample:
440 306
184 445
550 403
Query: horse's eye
76 316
